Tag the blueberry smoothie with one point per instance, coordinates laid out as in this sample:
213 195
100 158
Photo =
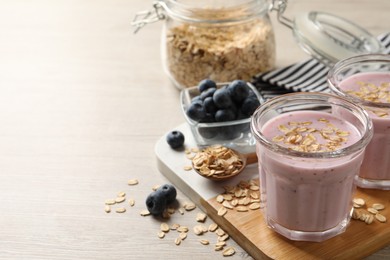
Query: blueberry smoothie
308 195
310 147
373 88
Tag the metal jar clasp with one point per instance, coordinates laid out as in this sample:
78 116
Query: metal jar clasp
143 18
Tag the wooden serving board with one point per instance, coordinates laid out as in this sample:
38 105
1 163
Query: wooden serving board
249 230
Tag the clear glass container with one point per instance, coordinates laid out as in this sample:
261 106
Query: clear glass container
221 40
235 134
365 80
310 147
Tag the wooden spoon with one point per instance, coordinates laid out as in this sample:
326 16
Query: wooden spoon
246 159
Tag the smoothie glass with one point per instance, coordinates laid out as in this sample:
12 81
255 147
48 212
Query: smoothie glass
365 80
310 147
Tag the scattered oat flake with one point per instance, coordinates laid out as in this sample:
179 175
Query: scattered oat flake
120 210
178 241
201 217
183 235
204 241
227 204
131 202
372 210
378 206
187 168
369 219
110 202
107 209
164 227
229 251
121 194
189 206
155 187
222 211
242 209
175 226
120 199
132 182
223 238
220 232
161 234
254 206
380 218
182 229
144 212
181 211
213 227
220 198
359 202
198 230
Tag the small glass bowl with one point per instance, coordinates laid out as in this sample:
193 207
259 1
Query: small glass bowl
235 134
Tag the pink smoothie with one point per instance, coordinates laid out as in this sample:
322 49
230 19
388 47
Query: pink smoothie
308 194
375 87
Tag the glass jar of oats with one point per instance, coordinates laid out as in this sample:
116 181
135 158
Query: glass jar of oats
222 40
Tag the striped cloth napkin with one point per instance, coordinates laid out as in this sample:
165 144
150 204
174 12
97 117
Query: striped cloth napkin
306 76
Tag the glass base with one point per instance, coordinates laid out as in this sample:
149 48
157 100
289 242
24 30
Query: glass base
310 236
372 184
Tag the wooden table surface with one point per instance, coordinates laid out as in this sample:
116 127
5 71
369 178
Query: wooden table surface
82 103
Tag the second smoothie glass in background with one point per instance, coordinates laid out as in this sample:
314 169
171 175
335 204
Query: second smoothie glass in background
365 80
310 147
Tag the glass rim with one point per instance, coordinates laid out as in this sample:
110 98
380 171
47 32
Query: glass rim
342 64
179 11
320 97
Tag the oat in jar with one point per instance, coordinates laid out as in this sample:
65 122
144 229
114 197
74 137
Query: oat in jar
220 40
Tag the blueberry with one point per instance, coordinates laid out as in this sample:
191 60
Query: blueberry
169 192
249 106
156 203
222 98
238 90
175 139
206 84
209 118
208 132
196 111
209 105
207 93
223 115
229 132
196 99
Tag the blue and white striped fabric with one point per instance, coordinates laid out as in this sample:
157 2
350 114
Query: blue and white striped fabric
306 76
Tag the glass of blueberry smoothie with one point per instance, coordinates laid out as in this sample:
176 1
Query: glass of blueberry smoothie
310 147
365 80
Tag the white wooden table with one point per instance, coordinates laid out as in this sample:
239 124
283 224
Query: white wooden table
82 103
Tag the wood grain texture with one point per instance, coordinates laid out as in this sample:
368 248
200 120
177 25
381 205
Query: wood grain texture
82 103
251 232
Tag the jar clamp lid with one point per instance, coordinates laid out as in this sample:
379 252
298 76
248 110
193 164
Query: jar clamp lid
326 37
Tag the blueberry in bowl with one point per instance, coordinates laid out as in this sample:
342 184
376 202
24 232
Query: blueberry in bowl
219 113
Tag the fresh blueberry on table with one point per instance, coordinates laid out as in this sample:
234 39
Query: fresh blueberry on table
175 139
156 202
169 192
206 84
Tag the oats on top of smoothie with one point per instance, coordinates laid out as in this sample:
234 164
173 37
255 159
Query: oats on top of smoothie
309 136
371 92
377 93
